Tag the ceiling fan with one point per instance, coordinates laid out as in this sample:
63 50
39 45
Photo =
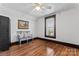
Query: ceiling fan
40 6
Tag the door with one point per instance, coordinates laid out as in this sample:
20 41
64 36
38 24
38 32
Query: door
4 33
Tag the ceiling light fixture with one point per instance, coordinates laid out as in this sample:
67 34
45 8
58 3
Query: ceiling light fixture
37 8
40 6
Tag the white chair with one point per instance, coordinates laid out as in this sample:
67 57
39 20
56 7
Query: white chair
20 37
28 36
24 35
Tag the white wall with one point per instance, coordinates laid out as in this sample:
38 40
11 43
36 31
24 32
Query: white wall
14 16
67 26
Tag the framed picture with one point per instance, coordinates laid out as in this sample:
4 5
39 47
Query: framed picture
50 26
23 24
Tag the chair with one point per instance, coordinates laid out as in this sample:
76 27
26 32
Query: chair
19 36
29 36
23 35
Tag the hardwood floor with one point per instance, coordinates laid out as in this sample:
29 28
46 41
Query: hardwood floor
40 48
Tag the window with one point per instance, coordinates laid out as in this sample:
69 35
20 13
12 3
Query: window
50 26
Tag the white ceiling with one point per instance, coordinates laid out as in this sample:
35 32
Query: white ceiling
28 8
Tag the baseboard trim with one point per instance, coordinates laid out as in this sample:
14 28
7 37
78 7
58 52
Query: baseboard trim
63 43
17 43
35 38
13 43
58 42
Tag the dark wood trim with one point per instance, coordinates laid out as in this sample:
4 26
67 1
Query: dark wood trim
17 43
58 42
35 38
13 43
63 43
54 26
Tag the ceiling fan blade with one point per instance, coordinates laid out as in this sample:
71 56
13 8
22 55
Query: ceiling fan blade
48 7
42 6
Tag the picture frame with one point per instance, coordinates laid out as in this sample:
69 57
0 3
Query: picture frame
23 24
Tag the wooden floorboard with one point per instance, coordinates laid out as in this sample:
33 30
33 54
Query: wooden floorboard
40 48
